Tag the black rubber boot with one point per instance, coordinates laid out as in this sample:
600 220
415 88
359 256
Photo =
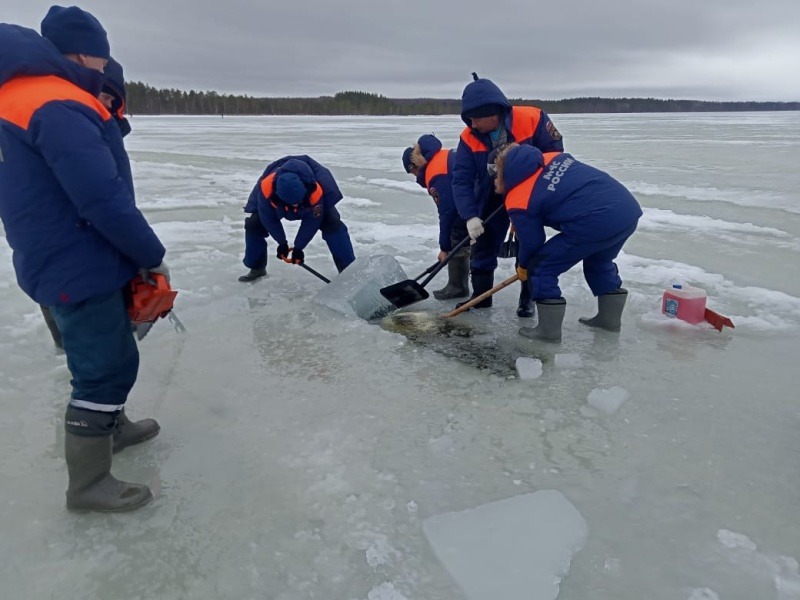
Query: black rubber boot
127 432
457 278
526 308
551 316
482 281
253 275
609 310
51 325
91 485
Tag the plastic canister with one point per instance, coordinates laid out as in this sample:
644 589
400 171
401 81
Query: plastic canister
685 302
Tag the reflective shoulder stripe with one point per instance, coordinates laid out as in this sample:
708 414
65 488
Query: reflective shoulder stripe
316 195
21 97
524 121
520 197
266 186
474 143
437 166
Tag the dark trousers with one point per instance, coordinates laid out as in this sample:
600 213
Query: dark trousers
255 243
102 355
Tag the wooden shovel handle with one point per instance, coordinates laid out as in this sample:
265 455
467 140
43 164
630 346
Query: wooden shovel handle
483 296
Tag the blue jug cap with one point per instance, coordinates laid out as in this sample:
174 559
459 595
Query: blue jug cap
677 286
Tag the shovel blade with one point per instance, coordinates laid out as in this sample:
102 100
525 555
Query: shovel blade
404 293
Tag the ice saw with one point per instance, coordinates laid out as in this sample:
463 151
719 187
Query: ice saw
151 299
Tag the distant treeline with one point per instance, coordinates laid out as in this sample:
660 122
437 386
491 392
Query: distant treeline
147 100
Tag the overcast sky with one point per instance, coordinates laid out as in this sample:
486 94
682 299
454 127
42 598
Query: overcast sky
698 49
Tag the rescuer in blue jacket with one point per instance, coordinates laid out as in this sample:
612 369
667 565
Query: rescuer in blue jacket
594 214
298 188
492 122
78 239
433 167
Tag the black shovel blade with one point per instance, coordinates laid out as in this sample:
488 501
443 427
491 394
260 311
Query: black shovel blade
404 293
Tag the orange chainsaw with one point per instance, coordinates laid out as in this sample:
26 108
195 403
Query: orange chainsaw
151 300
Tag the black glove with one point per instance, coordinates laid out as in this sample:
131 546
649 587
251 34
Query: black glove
298 256
283 251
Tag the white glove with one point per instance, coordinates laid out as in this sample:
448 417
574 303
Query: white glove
474 227
161 269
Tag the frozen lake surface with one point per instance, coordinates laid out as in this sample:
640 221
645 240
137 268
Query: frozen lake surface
305 454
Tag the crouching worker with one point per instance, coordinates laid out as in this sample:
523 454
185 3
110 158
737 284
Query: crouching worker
594 215
433 168
298 188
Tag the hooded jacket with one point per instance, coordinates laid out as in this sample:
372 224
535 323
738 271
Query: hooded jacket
555 190
472 185
323 195
436 177
66 193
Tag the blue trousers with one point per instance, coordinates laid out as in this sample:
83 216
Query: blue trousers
102 355
255 243
337 237
487 246
561 252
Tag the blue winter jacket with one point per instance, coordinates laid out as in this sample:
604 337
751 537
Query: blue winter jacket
472 185
437 177
580 201
66 193
271 209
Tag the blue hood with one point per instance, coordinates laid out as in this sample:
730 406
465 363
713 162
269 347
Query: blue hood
24 52
301 169
429 145
521 163
480 93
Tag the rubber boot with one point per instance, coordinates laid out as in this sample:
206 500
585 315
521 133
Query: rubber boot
526 308
91 485
609 310
127 432
551 315
457 278
482 281
51 325
253 275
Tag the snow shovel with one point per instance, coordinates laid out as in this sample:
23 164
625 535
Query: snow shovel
410 291
467 305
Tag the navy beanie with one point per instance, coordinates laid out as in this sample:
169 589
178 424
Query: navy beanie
407 164
290 188
487 110
74 31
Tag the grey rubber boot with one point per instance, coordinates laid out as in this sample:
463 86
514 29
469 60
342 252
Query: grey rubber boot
526 308
482 281
52 327
91 485
551 315
609 310
127 432
457 278
253 275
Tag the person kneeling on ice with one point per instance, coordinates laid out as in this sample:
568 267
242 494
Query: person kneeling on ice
433 168
298 188
594 215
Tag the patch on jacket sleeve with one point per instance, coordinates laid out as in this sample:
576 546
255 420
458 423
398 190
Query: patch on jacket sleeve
317 212
551 129
435 195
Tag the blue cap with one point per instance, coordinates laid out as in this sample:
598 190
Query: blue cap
407 164
72 30
290 188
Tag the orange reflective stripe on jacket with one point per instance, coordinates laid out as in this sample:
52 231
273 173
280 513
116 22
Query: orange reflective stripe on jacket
21 97
520 196
524 122
437 166
267 187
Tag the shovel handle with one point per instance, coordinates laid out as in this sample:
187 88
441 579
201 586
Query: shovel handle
467 305
313 272
459 246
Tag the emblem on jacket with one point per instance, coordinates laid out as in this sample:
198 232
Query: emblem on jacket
435 195
317 212
551 129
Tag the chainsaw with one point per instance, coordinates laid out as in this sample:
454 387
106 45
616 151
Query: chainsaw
151 299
